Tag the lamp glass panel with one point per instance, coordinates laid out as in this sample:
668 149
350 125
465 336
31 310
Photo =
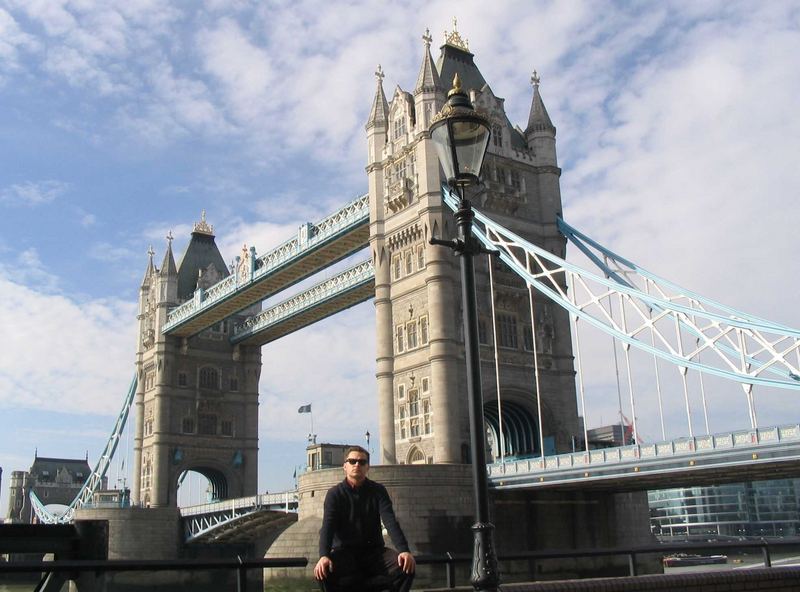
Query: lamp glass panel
470 139
441 140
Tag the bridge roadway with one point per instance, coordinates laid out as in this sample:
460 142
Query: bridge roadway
316 247
748 455
348 288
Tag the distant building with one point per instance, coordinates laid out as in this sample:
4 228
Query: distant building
733 511
610 436
325 456
56 481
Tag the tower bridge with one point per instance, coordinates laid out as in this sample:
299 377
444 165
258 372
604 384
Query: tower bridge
201 328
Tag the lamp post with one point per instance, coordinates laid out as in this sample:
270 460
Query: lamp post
366 435
461 136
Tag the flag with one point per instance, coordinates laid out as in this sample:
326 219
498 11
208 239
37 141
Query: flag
305 408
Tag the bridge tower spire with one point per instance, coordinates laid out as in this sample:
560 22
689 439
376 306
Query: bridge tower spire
420 352
197 396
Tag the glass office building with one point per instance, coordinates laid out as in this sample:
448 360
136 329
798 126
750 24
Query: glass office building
719 512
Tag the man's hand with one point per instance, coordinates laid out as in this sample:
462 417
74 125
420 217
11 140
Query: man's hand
324 566
406 562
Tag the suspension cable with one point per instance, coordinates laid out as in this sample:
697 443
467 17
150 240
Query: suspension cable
748 388
501 435
580 372
616 361
683 370
702 390
627 349
536 370
655 363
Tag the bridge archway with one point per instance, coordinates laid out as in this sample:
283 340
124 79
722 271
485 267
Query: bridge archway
520 430
213 480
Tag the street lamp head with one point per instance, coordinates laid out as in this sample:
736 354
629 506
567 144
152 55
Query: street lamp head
461 136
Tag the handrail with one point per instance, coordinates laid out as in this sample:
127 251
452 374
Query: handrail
447 559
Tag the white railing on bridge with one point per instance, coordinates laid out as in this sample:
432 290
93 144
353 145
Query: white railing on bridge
339 284
750 439
309 236
286 499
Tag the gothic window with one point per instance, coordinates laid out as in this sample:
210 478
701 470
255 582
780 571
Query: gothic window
397 267
399 126
401 391
402 412
414 427
209 378
400 342
420 257
183 380
508 330
409 263
427 424
234 384
207 424
527 338
226 427
403 432
416 457
411 334
423 330
497 135
413 405
426 384
187 426
514 178
500 173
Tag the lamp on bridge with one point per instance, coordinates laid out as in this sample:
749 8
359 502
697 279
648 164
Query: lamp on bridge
461 136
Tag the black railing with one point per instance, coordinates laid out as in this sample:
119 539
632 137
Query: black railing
449 560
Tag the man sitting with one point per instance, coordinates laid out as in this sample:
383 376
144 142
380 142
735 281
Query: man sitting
352 553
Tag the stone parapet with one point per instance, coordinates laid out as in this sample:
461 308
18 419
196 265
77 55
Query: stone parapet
138 533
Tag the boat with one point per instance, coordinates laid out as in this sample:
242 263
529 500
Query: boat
685 560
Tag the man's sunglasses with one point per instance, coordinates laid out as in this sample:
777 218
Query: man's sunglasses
357 461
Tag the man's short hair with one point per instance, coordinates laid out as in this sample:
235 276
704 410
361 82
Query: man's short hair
356 449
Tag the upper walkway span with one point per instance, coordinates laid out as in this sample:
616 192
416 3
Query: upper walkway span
315 247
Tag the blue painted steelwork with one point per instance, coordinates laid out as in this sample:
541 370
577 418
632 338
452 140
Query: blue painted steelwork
237 291
731 452
348 288
744 347
201 521
95 479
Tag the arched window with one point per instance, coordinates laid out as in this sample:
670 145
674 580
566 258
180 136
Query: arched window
209 378
416 457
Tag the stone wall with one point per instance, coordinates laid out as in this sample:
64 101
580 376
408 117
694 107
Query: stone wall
434 504
138 533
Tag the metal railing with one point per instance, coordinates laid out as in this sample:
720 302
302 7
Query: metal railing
698 445
448 560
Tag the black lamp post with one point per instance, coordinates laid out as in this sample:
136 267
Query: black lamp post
461 136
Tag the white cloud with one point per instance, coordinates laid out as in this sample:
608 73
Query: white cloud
33 193
53 361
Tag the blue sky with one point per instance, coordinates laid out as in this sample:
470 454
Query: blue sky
120 121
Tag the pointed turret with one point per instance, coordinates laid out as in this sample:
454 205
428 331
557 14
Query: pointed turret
428 92
428 77
380 108
151 269
538 120
540 133
168 276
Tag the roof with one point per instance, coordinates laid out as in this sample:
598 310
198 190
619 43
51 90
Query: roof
201 252
52 465
454 59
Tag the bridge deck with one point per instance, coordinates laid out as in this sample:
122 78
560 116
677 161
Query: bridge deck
766 453
329 241
353 286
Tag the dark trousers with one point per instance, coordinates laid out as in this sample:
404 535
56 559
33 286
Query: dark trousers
366 569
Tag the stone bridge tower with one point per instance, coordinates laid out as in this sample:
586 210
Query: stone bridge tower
420 349
197 397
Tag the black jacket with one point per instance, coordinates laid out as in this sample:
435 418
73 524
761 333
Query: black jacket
352 518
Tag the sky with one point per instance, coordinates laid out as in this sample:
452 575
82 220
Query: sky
122 120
